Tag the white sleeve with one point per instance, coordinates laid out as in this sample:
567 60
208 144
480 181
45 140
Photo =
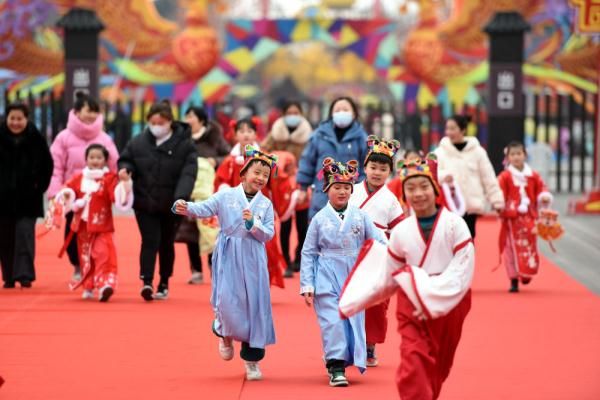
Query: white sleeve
437 295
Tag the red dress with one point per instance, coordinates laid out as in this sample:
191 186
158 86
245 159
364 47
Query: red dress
228 174
97 253
518 239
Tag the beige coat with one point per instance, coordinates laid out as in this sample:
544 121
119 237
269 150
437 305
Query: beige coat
281 139
472 171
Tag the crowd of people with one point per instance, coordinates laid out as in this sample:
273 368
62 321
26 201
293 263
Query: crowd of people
348 194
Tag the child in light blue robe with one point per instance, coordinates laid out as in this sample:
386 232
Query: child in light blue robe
240 279
334 239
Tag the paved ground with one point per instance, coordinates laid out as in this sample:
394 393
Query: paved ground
578 252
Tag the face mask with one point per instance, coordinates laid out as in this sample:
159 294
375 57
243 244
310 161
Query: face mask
292 120
159 131
342 119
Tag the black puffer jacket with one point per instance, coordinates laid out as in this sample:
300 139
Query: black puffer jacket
161 174
25 171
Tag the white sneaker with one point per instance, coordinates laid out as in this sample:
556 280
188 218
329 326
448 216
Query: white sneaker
87 294
226 348
253 371
196 279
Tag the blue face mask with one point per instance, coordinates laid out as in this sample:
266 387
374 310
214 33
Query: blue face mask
342 119
292 120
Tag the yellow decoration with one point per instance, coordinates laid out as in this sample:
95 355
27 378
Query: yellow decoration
348 36
588 12
425 97
457 92
302 31
241 59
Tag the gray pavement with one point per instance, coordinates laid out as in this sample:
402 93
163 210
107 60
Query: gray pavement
578 251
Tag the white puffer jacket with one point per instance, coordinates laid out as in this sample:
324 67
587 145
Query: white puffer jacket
472 171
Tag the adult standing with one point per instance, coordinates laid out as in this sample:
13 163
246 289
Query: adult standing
163 165
463 162
341 137
84 127
290 133
210 144
25 171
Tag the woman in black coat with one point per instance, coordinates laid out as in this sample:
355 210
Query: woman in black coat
163 163
210 143
25 172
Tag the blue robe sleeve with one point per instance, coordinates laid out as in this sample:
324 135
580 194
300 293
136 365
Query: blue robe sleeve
264 230
203 209
372 232
310 252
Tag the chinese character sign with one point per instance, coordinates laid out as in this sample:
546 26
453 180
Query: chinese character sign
81 76
506 94
588 15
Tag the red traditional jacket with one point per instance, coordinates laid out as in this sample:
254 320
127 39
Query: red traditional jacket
512 194
100 218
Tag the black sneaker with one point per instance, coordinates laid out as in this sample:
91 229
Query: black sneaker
288 273
105 293
296 266
147 293
338 378
9 285
162 292
514 286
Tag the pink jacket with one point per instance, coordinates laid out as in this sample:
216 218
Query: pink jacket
68 150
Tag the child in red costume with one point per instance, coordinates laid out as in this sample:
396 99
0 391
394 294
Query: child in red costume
90 195
228 175
524 193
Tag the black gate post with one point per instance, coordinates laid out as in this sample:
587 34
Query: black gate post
82 28
506 112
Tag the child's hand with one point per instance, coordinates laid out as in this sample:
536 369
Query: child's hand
308 299
247 215
124 175
181 207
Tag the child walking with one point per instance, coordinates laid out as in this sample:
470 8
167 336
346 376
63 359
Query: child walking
381 205
335 236
90 195
240 278
524 193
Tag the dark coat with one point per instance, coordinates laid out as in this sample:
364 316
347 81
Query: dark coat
212 144
25 171
161 174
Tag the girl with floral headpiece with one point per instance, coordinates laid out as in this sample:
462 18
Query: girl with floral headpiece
335 235
375 198
240 278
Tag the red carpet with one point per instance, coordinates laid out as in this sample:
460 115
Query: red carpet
543 343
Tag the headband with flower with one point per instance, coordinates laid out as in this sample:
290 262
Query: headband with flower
338 172
251 153
380 146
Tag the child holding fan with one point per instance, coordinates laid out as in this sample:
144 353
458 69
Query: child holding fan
335 235
240 278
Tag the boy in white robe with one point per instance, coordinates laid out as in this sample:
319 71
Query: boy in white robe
374 197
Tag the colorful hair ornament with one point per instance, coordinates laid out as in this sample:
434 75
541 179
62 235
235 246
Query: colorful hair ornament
338 172
426 167
251 153
376 145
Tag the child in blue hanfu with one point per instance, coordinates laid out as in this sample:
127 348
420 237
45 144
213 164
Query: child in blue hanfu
240 278
332 244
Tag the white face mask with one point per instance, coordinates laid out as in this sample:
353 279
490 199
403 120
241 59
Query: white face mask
342 119
159 131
